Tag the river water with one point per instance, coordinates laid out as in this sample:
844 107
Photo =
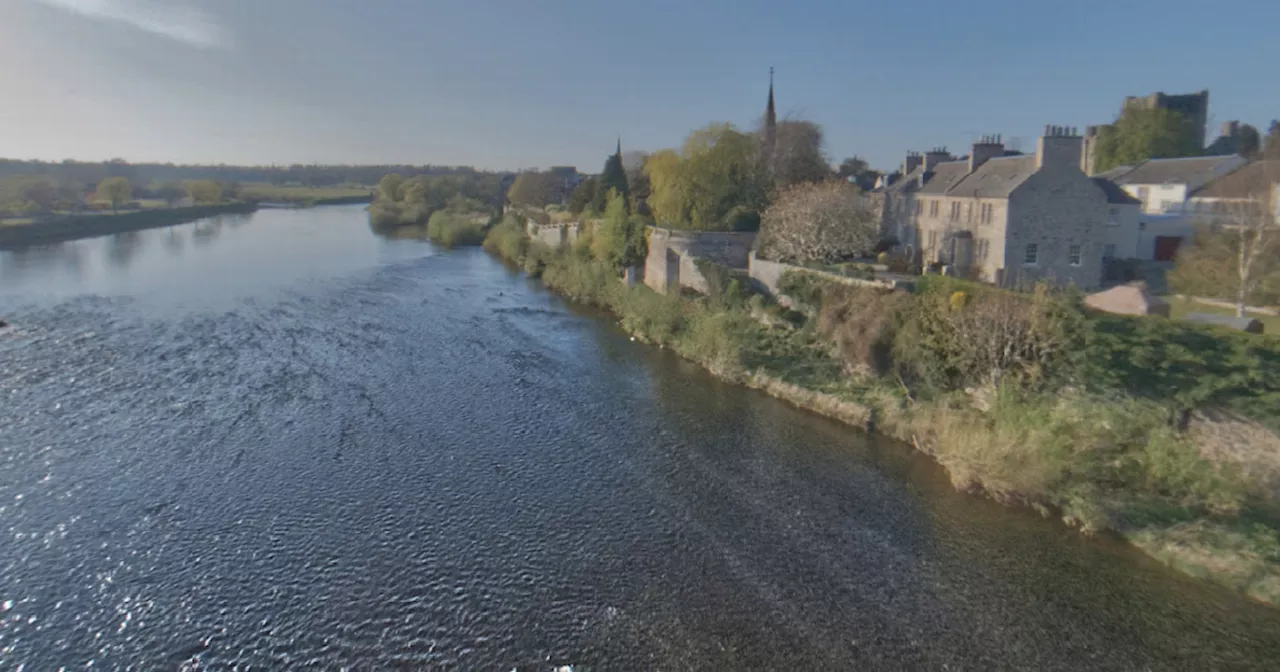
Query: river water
279 441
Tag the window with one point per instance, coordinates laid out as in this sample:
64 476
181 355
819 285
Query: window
1032 255
919 207
985 211
933 208
955 210
1143 193
983 247
1109 251
1073 255
933 239
1113 216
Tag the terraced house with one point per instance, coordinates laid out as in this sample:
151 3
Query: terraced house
1007 220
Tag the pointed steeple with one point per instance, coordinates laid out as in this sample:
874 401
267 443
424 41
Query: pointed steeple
619 145
769 129
770 114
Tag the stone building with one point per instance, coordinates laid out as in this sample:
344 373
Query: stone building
1193 106
1007 220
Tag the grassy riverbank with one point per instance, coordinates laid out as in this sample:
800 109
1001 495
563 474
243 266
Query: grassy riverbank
305 196
69 227
1113 424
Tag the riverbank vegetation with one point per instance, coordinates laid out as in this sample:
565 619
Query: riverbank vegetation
1131 425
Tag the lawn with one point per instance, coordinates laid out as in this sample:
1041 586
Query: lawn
1178 308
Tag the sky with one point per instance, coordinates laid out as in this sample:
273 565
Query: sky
505 84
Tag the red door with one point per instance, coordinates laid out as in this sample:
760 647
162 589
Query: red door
1167 247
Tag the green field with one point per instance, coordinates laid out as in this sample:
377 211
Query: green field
1179 308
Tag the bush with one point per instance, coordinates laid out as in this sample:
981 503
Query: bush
453 230
508 240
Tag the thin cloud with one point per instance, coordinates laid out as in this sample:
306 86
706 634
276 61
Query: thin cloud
188 25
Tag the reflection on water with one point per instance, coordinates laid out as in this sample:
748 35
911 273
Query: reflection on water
349 451
215 259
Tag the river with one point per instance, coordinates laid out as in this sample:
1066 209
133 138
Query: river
279 441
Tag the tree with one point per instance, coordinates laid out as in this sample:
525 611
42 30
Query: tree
532 189
41 192
798 156
1140 134
1236 253
851 167
117 190
171 192
204 191
612 178
711 184
619 240
1244 140
583 195
818 223
389 187
633 162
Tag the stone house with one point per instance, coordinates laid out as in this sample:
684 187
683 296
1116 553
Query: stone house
1253 187
1006 220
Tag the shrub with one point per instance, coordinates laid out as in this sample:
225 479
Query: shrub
508 240
451 229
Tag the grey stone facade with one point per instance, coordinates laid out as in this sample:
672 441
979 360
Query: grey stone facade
671 262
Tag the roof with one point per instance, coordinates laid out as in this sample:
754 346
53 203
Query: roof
1115 172
1174 171
996 178
943 176
906 183
1254 180
1115 195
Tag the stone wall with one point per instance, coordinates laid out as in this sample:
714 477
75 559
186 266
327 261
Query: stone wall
769 273
554 235
673 253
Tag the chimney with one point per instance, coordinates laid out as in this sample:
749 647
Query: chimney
988 147
1060 147
913 161
1230 128
935 156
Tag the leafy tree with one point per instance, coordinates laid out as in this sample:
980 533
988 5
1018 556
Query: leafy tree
583 195
204 191
117 190
171 192
612 178
532 189
633 162
619 240
798 156
389 187
1141 134
1248 141
40 192
712 184
818 222
230 189
852 167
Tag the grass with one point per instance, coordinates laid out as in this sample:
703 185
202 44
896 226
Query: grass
1180 307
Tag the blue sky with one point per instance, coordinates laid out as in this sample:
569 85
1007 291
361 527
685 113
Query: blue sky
504 84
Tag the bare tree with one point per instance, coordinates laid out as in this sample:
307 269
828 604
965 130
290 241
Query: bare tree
1252 223
818 222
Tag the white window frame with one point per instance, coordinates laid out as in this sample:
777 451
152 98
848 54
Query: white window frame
1075 255
1031 254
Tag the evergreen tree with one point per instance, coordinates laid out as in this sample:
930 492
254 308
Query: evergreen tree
613 177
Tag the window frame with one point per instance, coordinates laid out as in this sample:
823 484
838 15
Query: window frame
1031 254
1075 255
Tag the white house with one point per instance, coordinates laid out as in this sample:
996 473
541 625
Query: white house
1163 188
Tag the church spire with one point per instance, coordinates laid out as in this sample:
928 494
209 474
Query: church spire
769 129
619 145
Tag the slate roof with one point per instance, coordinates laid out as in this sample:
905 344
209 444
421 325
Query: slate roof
1115 195
1172 171
996 178
944 176
906 183
1254 180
